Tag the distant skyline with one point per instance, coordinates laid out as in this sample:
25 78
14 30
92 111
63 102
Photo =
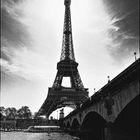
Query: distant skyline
105 37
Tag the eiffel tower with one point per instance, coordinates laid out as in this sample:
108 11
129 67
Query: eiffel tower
58 95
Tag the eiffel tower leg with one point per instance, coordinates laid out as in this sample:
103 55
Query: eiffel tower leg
58 81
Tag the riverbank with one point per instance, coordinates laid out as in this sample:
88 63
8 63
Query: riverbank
36 136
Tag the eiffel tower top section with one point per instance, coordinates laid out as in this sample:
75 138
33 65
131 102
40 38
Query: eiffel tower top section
67 52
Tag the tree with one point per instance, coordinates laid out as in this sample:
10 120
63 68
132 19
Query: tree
11 113
24 113
2 112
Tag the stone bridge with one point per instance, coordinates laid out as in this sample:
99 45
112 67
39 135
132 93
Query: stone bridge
112 113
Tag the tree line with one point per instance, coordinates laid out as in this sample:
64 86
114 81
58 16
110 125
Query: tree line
12 113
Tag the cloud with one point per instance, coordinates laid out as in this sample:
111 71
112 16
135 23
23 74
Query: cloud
125 37
10 74
14 34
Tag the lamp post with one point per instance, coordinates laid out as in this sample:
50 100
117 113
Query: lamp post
57 114
135 54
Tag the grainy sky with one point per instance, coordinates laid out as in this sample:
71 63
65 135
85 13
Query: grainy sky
105 36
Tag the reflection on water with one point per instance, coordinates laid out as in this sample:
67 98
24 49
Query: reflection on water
36 136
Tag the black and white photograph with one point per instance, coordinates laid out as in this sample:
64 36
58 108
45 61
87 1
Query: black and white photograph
69 70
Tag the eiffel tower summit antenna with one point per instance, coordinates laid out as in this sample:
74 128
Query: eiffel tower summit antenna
58 95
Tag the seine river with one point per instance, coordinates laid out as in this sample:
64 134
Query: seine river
35 136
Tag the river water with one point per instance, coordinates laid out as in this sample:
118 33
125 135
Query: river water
35 136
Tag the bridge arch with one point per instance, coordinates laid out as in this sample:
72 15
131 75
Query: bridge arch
68 125
93 127
127 122
125 96
75 124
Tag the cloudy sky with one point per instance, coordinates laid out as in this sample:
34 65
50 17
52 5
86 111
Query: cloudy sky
105 36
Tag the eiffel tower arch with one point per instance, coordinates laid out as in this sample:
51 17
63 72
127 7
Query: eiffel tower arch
58 95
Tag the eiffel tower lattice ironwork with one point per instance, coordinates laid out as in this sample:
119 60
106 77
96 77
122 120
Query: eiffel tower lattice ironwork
58 95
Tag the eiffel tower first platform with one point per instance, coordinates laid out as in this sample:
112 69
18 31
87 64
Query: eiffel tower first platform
59 96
